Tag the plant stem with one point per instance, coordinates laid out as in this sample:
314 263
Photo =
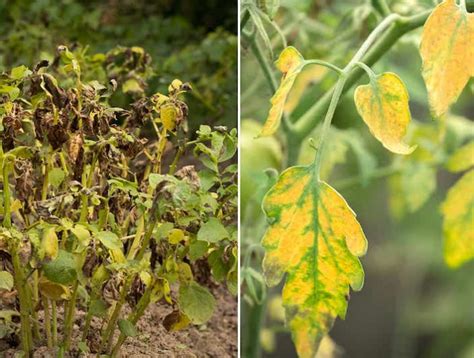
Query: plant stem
381 7
47 322
7 220
69 318
20 284
55 322
255 320
378 173
134 317
109 330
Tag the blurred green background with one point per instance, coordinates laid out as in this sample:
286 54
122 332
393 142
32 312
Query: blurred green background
412 304
190 40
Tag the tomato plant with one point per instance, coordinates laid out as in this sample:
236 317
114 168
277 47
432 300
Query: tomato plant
101 210
312 239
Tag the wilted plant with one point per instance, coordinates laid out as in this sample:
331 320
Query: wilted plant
98 210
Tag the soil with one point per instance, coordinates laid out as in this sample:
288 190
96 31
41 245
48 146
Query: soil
217 338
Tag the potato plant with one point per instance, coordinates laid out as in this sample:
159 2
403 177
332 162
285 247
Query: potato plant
108 210
313 240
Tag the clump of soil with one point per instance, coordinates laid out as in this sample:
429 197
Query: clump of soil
217 338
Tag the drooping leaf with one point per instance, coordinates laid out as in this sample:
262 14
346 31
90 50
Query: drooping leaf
462 159
447 52
196 302
458 226
383 105
49 243
176 321
52 290
315 239
289 64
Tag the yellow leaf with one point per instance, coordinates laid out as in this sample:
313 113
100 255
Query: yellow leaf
458 226
462 159
52 290
290 64
447 52
307 77
176 321
315 239
383 104
49 243
168 117
175 236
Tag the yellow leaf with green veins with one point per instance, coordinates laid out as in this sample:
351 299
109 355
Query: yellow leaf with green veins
447 52
290 64
462 159
383 105
458 226
315 239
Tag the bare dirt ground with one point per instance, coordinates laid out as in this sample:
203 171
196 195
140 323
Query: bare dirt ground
217 338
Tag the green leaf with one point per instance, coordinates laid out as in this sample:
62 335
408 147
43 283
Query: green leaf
218 267
212 231
83 235
20 72
127 328
98 308
315 239
196 302
62 269
132 86
197 249
56 177
6 280
110 240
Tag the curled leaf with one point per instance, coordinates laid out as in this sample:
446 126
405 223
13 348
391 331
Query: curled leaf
315 239
447 52
383 105
458 226
290 63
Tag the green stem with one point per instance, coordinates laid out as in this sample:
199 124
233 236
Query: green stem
254 320
325 64
20 284
69 317
398 27
134 317
7 219
55 322
109 330
47 322
376 174
381 7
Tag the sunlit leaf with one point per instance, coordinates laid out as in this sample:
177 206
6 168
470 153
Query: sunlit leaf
383 104
290 64
462 159
315 239
447 52
458 226
49 243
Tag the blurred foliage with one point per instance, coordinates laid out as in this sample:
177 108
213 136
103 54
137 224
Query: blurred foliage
186 39
413 304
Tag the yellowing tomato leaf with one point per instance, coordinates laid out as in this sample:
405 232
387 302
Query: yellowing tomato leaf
309 76
315 239
290 63
383 105
462 159
447 52
458 226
